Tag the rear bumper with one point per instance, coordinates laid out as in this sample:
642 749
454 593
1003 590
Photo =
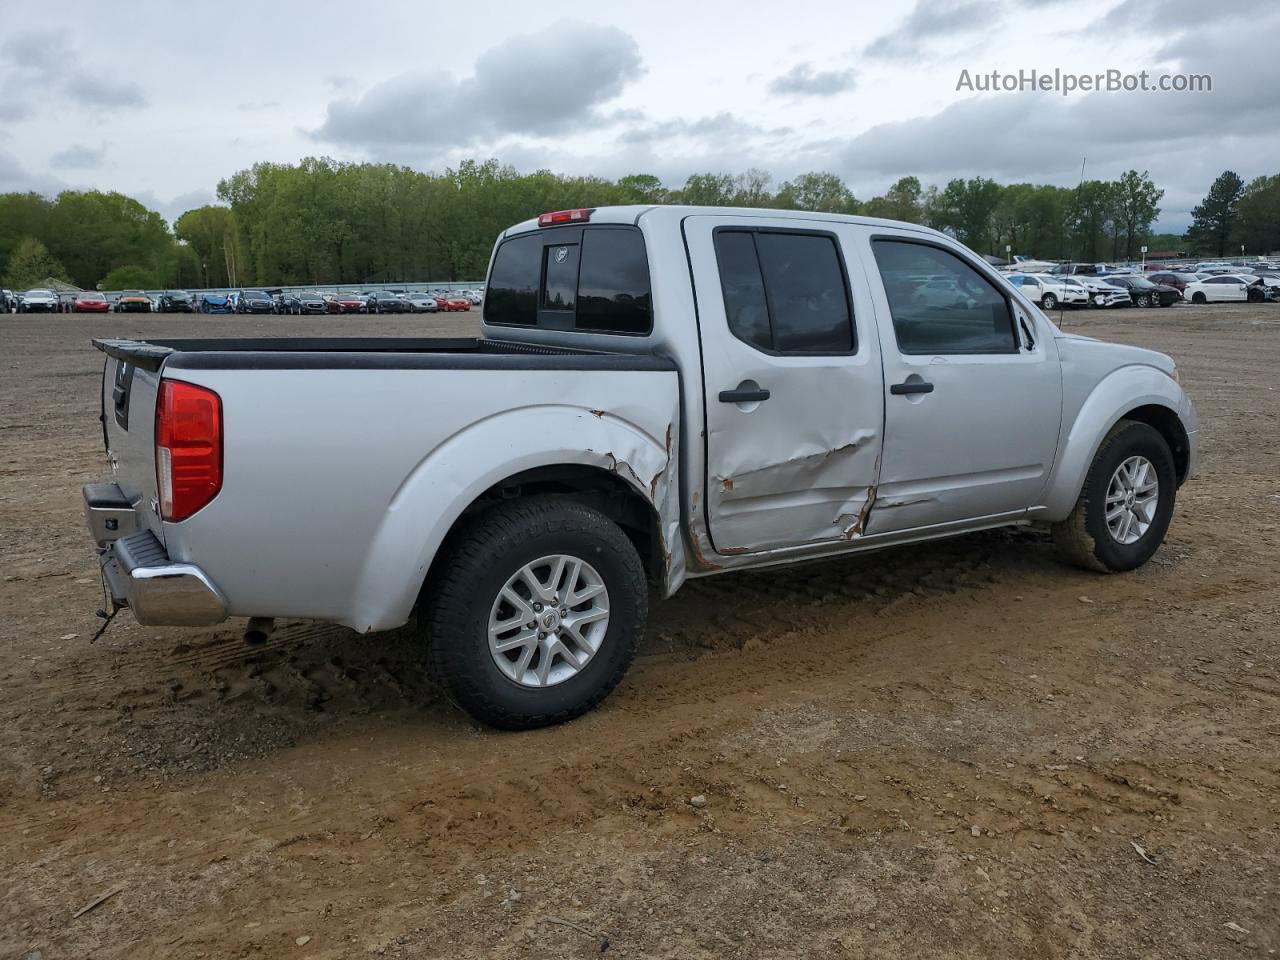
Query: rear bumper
138 571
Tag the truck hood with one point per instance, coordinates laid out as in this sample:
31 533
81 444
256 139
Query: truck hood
1095 352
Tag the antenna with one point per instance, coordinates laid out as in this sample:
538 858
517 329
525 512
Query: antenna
1070 263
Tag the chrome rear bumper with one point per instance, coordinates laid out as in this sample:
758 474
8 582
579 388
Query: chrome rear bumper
138 571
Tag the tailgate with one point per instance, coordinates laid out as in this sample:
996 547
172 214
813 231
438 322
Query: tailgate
128 428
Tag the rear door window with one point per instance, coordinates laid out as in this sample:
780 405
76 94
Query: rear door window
785 291
590 279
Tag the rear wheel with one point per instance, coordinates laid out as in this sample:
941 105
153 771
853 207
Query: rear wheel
537 614
1124 509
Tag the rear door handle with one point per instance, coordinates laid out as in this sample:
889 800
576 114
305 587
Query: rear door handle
744 396
910 387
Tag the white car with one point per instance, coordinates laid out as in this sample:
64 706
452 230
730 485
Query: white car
1222 288
1049 291
39 300
1100 293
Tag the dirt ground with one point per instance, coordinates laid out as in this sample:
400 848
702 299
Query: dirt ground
959 750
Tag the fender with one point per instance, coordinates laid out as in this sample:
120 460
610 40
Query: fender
461 468
1122 390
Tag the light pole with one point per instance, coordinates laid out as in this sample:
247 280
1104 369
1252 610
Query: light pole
1144 256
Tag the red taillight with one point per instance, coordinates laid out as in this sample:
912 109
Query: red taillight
581 215
188 448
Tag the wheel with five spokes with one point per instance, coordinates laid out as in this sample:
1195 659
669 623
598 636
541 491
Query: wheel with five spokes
537 613
1125 506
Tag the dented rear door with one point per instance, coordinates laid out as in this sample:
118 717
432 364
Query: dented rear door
792 373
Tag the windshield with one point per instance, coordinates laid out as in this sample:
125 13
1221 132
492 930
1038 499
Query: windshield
39 293
255 293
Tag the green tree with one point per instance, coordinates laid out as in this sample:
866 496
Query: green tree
966 208
31 264
902 201
212 236
1089 218
642 188
1213 220
130 278
823 192
22 216
1137 205
708 189
1258 228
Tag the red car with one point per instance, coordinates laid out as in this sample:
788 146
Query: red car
453 303
90 303
346 303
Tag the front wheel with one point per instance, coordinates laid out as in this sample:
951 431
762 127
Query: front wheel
1125 506
1199 298
1144 300
1049 302
537 614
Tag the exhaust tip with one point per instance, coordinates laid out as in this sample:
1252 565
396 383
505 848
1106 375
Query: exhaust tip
259 630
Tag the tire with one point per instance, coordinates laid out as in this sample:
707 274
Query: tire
498 544
1048 302
1144 299
1084 538
1199 297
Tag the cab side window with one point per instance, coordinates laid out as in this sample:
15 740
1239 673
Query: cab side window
966 314
785 292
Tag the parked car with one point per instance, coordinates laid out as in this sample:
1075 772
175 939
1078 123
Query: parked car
90 302
305 301
38 300
384 301
1144 293
1225 288
8 301
597 437
421 302
252 301
1099 292
1049 291
213 303
348 303
174 301
1176 279
452 303
133 301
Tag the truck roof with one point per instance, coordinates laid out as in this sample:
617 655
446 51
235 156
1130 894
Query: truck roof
633 212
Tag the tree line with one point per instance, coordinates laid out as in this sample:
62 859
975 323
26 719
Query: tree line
324 221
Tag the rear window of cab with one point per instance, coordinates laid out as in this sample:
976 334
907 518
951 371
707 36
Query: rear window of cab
591 279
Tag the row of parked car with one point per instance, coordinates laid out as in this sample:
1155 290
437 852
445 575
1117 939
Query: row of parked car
41 300
1108 285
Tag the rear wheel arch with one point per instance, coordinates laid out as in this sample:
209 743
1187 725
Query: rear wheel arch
595 487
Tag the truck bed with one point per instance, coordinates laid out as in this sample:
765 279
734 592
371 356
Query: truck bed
363 353
345 461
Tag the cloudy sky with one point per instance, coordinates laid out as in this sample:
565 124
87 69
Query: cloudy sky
160 99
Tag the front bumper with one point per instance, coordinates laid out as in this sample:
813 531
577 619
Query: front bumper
137 569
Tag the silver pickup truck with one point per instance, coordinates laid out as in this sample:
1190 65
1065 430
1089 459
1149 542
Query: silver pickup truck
659 393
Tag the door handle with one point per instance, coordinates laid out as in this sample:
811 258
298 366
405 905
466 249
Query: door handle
910 387
744 396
